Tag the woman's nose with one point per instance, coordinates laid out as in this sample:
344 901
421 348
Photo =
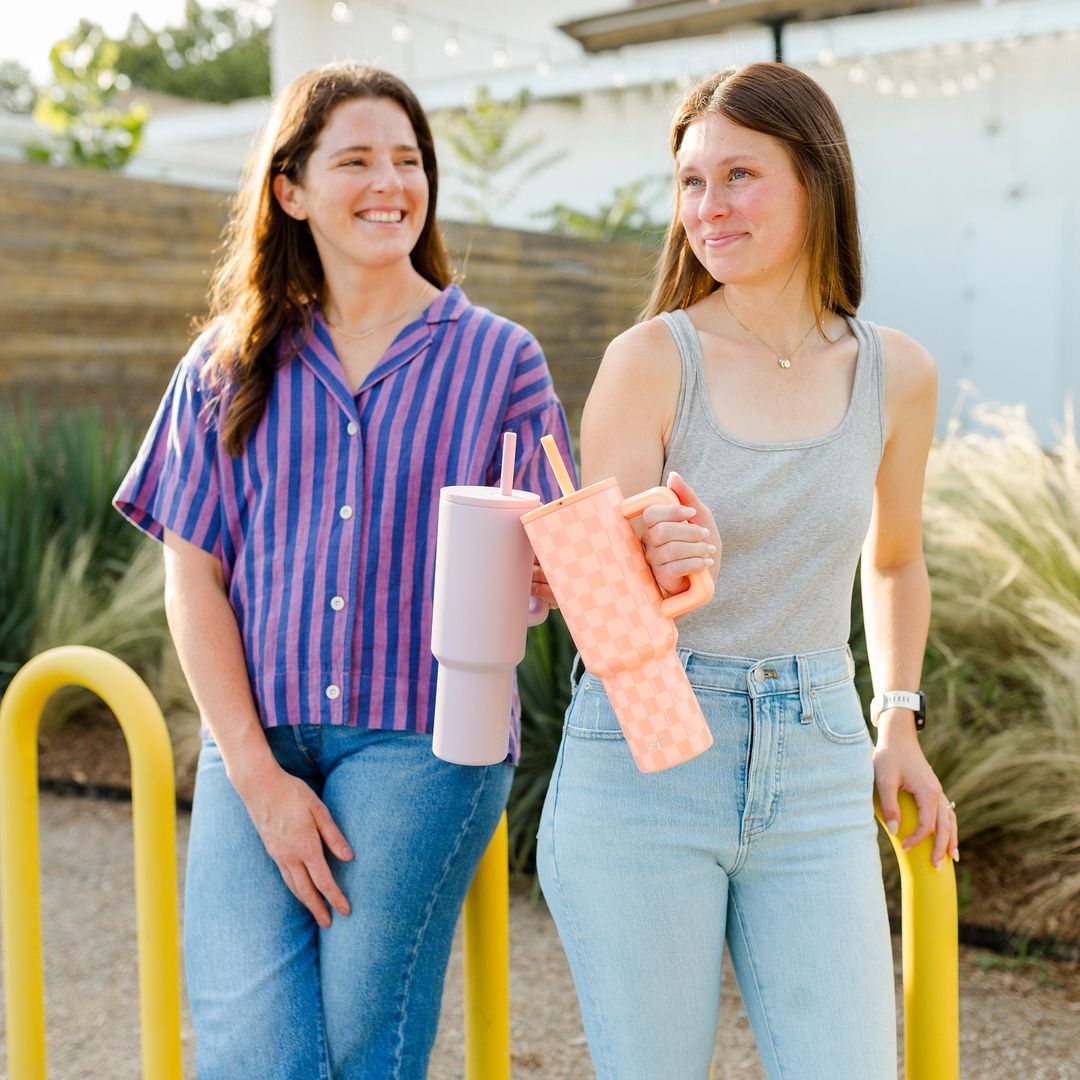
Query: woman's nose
385 177
713 204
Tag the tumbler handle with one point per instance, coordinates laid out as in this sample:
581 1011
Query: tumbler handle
701 582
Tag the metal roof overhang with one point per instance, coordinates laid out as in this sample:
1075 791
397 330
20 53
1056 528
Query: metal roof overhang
666 20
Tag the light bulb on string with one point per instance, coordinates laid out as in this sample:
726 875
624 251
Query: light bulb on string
341 12
451 46
986 71
857 73
543 66
401 32
909 88
499 57
884 83
826 57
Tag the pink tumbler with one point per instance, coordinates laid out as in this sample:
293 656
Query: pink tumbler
482 609
622 626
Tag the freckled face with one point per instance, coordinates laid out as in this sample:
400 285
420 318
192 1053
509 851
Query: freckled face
364 192
743 208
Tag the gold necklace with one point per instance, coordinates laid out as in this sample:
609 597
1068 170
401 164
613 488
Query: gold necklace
382 325
783 360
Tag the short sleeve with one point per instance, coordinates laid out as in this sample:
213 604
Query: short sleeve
533 411
173 483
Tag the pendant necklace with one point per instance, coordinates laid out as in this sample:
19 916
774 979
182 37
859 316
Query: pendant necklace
388 322
783 360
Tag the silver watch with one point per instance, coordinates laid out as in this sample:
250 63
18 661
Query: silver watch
900 699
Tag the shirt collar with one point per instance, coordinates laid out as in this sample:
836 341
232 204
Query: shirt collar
317 350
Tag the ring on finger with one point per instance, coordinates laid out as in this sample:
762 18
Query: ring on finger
951 804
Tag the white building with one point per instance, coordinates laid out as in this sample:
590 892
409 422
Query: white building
963 118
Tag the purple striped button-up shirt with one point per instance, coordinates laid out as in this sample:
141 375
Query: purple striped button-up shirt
325 525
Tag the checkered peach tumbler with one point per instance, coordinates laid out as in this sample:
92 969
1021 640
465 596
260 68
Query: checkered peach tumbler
622 626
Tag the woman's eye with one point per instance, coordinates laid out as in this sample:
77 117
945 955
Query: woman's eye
415 162
739 174
691 181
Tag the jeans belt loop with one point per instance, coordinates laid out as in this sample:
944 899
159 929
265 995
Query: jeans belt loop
576 670
804 690
684 656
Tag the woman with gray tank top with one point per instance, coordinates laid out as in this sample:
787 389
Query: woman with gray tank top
796 436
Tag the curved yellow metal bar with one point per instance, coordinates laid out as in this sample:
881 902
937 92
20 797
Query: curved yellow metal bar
487 964
154 819
931 954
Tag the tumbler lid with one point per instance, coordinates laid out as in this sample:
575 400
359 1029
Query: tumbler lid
472 495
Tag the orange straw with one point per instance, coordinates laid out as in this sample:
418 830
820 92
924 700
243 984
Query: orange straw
506 480
566 485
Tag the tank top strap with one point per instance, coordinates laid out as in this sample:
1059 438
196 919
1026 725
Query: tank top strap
868 393
691 361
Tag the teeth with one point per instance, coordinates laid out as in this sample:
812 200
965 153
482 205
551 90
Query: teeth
388 217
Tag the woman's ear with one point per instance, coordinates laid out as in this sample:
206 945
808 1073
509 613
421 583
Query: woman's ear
290 197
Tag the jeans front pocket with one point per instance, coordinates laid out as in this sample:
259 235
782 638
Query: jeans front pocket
838 712
590 715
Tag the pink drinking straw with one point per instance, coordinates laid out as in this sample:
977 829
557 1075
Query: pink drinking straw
506 480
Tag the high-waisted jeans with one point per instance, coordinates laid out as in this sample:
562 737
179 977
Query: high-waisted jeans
274 997
767 841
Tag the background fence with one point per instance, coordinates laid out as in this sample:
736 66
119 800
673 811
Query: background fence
101 275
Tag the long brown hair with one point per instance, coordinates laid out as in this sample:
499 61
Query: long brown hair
271 275
780 101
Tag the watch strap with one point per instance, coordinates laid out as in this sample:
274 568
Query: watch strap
915 700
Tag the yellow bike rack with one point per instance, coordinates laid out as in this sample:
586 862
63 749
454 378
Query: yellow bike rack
930 942
154 815
929 916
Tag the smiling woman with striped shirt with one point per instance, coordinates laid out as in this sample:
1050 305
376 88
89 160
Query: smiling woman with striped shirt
293 472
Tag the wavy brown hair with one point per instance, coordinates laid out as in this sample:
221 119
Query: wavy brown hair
270 274
780 101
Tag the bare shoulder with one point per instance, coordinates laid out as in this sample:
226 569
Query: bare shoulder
640 373
636 390
911 372
646 352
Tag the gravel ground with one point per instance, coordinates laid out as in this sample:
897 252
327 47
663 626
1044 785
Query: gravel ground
1020 1019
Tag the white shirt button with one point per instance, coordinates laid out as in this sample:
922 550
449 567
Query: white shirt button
351 428
337 602
333 692
345 513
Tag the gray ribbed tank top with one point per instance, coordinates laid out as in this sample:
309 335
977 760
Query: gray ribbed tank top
792 515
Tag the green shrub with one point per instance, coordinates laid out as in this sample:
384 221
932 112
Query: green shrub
544 685
1003 661
56 481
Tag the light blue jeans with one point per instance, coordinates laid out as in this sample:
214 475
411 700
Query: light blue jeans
767 841
273 997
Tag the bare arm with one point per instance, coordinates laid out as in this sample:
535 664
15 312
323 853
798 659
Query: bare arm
896 590
291 820
624 431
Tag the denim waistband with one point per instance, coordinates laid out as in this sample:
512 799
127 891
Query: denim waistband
771 675
759 678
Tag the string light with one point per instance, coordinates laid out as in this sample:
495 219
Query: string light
946 71
543 66
401 32
499 57
341 12
451 46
